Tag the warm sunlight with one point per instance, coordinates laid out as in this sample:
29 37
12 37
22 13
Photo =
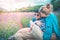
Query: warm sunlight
15 4
29 19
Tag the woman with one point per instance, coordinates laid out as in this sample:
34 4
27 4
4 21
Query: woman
51 25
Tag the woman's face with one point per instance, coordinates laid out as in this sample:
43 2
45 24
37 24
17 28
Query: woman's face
43 15
46 12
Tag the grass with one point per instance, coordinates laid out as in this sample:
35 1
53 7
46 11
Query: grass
7 33
7 30
25 21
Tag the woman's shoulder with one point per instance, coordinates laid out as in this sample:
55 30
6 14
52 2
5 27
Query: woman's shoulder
52 15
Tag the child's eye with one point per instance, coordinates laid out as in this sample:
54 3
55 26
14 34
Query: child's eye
37 15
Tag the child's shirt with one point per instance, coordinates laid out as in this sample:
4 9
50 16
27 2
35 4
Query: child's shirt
42 21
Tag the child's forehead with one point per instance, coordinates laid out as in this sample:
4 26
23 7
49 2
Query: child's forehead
37 13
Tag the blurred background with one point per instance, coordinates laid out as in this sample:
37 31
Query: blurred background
14 12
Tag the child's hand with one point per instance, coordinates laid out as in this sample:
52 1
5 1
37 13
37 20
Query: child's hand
38 23
31 26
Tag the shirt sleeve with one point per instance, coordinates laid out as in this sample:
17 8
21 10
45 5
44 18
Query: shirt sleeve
55 26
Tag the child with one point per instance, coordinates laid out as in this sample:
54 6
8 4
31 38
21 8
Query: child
38 21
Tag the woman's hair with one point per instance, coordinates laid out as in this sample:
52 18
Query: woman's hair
43 11
48 6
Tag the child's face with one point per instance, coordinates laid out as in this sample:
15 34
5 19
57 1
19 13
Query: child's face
37 16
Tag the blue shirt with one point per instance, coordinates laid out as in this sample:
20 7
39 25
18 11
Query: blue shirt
51 26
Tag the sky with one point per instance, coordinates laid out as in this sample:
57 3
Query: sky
11 5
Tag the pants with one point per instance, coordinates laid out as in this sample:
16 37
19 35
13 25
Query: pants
36 31
23 34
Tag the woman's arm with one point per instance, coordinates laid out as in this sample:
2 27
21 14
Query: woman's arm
55 26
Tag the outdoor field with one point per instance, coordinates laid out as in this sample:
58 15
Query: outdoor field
9 22
16 12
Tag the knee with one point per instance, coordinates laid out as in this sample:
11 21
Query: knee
14 37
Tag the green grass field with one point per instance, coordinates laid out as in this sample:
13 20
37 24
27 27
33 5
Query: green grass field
8 30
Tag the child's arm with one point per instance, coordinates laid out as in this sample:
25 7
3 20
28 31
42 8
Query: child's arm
32 24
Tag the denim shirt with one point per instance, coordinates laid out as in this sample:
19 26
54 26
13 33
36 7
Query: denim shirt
51 26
